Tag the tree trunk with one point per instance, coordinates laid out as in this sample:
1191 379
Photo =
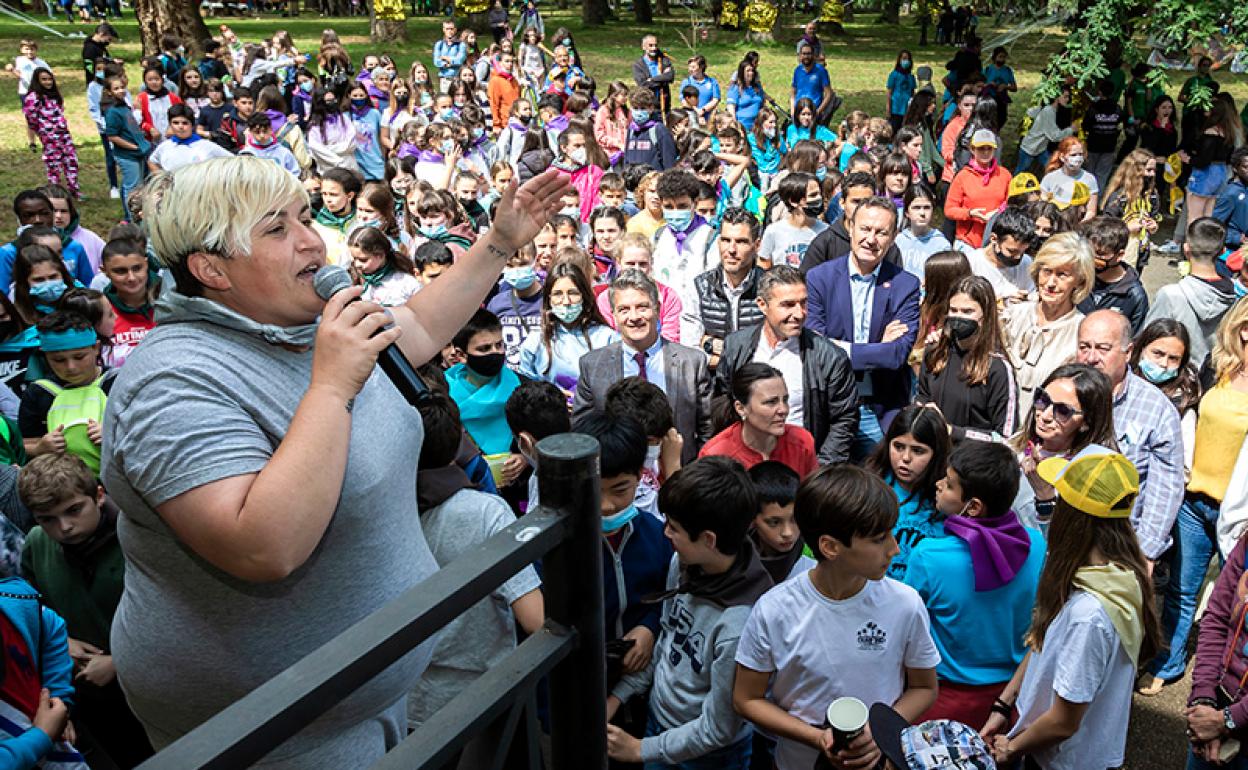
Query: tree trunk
645 14
387 22
890 12
180 17
595 12
661 9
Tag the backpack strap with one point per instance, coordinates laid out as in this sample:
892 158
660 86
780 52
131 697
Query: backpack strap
50 386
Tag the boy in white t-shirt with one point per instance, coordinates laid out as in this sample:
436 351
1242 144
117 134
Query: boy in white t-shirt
785 242
842 629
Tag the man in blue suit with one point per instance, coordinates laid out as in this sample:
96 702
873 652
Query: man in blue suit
870 308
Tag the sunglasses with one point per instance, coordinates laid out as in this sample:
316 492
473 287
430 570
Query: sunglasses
1062 412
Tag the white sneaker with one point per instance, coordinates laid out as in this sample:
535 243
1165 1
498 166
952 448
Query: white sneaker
114 193
1169 247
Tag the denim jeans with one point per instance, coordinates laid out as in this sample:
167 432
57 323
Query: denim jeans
132 174
869 434
1196 541
734 757
1026 161
110 161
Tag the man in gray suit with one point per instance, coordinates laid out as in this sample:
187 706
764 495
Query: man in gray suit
677 370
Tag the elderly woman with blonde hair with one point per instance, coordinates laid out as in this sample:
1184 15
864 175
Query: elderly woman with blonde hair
1042 333
266 469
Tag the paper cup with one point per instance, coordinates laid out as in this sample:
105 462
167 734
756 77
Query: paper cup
848 718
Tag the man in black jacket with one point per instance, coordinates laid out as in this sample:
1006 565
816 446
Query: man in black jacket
834 242
654 71
724 299
1117 284
823 394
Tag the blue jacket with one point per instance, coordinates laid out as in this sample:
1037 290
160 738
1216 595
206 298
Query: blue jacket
1232 211
455 52
830 312
44 632
641 565
73 255
651 146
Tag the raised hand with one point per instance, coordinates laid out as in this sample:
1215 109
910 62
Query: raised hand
522 211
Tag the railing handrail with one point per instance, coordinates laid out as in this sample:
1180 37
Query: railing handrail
250 728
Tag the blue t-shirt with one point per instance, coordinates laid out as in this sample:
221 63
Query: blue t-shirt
917 520
902 84
748 102
810 85
708 89
795 133
767 158
119 122
995 75
368 144
979 633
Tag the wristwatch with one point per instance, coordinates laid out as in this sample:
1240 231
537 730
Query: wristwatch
1228 720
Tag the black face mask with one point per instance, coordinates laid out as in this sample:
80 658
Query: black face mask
814 209
315 201
524 119
960 328
488 365
1006 260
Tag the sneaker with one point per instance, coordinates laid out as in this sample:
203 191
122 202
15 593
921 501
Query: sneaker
1169 247
114 193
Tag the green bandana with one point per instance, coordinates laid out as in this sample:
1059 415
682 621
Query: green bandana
330 219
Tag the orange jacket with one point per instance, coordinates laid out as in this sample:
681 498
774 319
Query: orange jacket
967 192
502 90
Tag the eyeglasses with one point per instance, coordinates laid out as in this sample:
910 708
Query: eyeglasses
1061 412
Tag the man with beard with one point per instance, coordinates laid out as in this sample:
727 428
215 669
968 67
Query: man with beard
1003 259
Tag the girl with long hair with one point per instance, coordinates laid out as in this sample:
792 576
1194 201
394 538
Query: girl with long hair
919 117
1131 195
1159 134
375 209
44 110
804 125
894 178
766 146
1221 428
746 95
331 136
402 109
39 279
571 327
1093 623
1222 133
611 121
387 274
941 272
966 372
918 241
900 87
192 89
1065 167
911 459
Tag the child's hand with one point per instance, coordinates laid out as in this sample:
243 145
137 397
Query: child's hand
69 734
99 670
95 432
52 715
52 442
861 752
670 450
621 746
638 657
82 652
996 723
512 468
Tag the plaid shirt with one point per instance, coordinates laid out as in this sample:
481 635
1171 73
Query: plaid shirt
1146 425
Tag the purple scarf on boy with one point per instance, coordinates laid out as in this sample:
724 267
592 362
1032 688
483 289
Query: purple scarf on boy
999 547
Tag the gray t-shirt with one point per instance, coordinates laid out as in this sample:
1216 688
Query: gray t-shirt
197 403
481 637
785 244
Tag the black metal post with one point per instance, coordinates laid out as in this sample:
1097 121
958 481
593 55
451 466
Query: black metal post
568 482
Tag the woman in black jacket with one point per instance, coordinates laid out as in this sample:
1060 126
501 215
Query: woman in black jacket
966 373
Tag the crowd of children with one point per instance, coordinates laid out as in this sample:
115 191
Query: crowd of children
879 418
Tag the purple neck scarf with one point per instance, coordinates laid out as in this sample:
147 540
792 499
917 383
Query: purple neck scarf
517 126
429 157
276 120
635 126
999 547
557 123
682 235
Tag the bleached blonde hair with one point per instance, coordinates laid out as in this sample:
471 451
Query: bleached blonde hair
213 207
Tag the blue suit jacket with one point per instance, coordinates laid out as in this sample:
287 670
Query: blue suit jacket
830 311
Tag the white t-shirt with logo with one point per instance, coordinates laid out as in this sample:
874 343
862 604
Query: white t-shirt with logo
784 244
1006 281
821 649
1083 661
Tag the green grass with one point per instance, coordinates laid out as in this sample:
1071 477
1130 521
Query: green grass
859 63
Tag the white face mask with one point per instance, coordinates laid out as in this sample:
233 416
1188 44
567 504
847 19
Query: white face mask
580 155
1074 161
652 457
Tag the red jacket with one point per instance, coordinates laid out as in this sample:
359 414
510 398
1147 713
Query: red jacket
967 192
145 111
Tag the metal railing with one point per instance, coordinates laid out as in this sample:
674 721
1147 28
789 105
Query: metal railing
569 650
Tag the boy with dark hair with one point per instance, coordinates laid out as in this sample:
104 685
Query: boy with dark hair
612 191
844 629
1199 299
635 555
648 141
432 259
775 533
456 519
647 403
1231 208
1117 285
689 106
1003 259
785 242
535 410
711 584
482 384
683 245
980 584
74 560
834 242
261 143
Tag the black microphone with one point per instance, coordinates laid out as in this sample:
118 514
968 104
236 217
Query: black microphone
332 279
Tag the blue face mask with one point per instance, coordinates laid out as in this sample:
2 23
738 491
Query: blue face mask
678 219
447 114
641 116
905 66
306 86
520 278
478 132
616 521
567 313
48 292
433 232
447 146
358 103
1157 374
821 173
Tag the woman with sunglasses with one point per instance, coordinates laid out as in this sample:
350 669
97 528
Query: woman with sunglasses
1042 332
1072 409
1221 426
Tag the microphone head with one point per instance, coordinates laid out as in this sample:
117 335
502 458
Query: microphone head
330 280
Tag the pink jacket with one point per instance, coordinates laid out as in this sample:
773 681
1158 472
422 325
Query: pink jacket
669 312
586 180
609 132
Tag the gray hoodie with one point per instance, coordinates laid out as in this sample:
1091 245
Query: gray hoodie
1197 304
692 670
